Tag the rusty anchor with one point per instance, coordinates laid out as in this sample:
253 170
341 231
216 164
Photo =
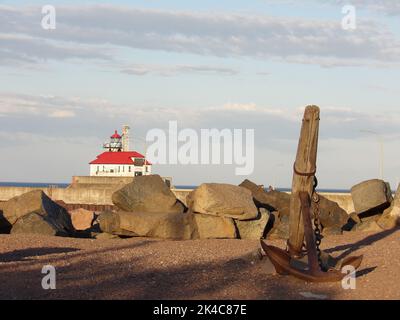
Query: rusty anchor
301 215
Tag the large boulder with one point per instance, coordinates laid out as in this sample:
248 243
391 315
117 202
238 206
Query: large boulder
253 229
329 231
177 226
5 226
213 227
271 200
223 200
148 224
147 194
34 223
82 219
368 225
36 212
280 228
391 216
110 222
331 215
372 196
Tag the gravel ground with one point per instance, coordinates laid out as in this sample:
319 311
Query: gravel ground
140 268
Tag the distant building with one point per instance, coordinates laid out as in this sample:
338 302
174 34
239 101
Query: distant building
118 161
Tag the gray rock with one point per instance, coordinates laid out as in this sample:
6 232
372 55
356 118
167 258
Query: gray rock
213 227
145 224
147 194
39 209
331 215
5 226
253 229
34 223
369 225
158 225
223 200
280 229
391 216
109 222
332 231
371 195
272 200
178 226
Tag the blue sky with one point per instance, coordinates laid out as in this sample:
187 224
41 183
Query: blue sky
63 91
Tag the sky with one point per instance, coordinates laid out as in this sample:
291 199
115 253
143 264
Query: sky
251 64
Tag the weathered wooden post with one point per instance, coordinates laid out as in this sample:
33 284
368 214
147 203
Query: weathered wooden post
303 176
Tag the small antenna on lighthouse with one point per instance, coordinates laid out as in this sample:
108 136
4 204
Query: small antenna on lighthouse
125 138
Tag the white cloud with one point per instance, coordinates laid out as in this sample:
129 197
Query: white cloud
62 114
25 50
167 71
87 32
275 123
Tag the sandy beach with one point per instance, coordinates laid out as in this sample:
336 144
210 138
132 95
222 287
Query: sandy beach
140 268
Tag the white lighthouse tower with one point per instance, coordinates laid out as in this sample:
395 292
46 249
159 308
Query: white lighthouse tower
118 160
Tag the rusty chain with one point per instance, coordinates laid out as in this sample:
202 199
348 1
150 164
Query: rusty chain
317 223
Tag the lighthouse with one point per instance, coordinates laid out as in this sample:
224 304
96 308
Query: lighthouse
118 160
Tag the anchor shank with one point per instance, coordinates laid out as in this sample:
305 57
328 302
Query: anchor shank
303 176
312 254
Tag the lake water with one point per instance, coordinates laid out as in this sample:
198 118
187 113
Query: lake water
64 185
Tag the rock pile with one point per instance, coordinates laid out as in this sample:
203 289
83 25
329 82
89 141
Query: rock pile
148 208
332 217
163 216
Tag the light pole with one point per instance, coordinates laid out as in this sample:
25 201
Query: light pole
379 138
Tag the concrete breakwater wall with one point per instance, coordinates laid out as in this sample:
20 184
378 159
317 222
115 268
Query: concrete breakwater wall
68 195
102 196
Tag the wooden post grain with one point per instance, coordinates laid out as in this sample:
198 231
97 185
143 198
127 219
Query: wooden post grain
303 175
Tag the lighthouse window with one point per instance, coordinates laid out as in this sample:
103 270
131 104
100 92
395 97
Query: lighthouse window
130 169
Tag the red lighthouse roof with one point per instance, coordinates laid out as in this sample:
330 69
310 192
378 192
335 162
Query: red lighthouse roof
118 158
116 135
